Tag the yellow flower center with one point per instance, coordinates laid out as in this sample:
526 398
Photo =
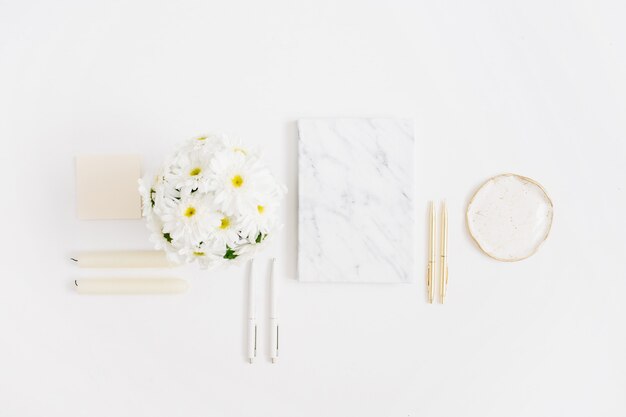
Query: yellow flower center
202 138
243 151
190 211
261 209
199 253
195 172
237 181
225 223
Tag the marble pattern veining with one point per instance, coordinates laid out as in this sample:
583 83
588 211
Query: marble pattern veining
356 200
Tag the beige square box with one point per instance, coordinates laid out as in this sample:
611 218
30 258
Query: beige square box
106 187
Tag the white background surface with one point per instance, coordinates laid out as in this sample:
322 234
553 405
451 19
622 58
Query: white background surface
535 88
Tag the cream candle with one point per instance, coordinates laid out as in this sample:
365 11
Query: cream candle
130 286
123 259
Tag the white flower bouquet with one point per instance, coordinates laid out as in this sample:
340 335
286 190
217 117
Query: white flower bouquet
213 202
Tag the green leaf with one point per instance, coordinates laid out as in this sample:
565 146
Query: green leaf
167 237
152 192
230 253
260 237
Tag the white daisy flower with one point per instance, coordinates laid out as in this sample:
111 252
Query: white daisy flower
206 143
187 220
239 181
190 172
227 232
203 253
260 221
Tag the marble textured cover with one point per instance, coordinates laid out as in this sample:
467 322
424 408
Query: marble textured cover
356 200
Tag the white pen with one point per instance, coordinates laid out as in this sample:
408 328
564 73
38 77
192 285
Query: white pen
252 330
274 312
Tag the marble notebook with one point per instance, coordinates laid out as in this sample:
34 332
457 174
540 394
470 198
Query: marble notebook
356 200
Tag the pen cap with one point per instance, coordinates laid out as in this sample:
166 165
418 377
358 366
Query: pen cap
251 290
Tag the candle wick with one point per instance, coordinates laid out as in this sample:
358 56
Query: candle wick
76 282
74 259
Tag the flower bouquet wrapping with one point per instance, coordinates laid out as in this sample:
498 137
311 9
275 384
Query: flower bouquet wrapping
213 202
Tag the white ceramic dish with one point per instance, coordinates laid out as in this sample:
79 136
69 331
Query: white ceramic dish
509 217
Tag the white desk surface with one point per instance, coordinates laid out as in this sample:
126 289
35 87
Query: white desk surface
535 88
